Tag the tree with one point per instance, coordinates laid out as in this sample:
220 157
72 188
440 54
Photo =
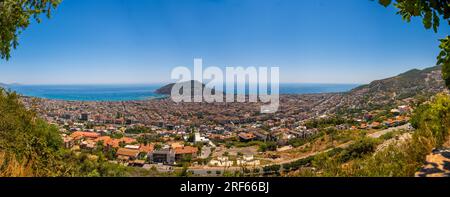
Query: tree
158 146
191 137
15 16
431 12
29 146
184 171
268 146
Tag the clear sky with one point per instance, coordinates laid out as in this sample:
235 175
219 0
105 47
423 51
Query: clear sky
140 41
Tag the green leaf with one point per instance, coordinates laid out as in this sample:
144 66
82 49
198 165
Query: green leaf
435 21
427 19
385 3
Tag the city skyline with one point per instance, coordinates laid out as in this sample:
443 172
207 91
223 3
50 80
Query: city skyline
139 42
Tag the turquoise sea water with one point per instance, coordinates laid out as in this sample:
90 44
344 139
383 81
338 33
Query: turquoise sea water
90 92
143 92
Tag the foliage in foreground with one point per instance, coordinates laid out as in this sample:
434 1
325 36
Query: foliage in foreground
15 17
432 122
31 147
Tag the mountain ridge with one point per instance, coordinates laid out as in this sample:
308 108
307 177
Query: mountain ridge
399 89
167 89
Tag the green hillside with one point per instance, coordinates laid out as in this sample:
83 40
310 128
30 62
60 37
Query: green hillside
31 147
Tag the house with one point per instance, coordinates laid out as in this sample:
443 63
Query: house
115 143
389 122
200 139
248 157
395 111
221 161
247 160
175 145
217 137
261 135
218 130
166 156
363 126
146 148
404 109
134 147
88 144
375 125
84 135
126 154
105 139
84 117
246 137
128 140
68 141
185 152
295 133
368 117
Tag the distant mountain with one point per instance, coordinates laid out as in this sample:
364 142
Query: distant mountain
410 82
6 85
3 85
390 91
385 93
167 89
407 85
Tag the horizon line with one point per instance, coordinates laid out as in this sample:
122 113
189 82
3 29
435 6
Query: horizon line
158 83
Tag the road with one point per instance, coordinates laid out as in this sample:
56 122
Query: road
388 130
206 151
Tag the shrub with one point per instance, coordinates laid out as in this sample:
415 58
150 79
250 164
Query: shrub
358 149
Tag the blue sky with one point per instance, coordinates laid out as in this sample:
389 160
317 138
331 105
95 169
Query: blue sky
140 41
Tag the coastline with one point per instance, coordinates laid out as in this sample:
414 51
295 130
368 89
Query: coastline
130 93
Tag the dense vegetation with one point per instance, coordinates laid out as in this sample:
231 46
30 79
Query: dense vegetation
404 158
15 17
137 130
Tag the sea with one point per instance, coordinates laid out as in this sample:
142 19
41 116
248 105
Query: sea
145 91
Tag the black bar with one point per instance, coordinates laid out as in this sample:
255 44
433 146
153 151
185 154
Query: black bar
171 186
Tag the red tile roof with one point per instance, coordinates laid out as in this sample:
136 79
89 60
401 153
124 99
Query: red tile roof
115 142
128 140
186 150
246 136
148 148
